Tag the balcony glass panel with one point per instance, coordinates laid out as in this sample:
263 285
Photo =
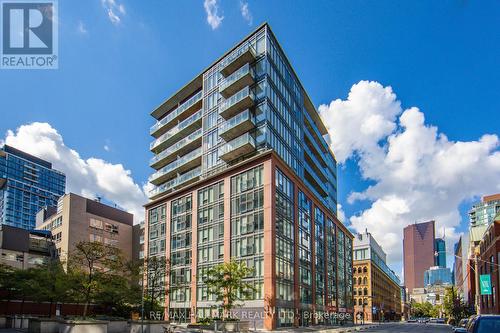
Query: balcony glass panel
235 126
240 146
171 184
235 81
178 146
174 114
176 164
178 128
245 53
238 102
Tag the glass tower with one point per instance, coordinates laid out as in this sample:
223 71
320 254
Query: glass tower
241 148
27 184
440 256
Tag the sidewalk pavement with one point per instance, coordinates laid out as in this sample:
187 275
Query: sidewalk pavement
324 329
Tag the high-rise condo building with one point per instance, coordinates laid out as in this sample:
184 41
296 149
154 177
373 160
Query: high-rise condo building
418 253
27 184
483 212
242 171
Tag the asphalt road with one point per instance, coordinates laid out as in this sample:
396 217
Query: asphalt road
411 328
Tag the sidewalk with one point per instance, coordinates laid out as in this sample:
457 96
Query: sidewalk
324 329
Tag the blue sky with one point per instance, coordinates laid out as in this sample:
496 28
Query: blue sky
120 59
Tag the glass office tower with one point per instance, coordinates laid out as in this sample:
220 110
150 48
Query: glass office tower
27 184
244 144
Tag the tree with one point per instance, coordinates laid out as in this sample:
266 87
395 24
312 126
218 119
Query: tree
157 269
7 281
454 305
89 264
49 283
120 293
226 282
422 309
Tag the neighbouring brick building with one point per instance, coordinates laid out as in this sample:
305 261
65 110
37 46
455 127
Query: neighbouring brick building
77 219
489 251
377 290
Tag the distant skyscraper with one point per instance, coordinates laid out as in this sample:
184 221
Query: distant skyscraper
27 184
437 275
440 255
483 213
418 253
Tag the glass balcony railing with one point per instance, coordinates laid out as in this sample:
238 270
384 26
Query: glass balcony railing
172 184
240 101
175 131
234 82
238 147
237 125
177 112
320 185
175 165
177 147
244 54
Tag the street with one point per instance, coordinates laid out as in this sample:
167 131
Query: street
411 327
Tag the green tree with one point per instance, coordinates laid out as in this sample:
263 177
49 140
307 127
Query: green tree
120 293
226 282
454 305
89 265
7 281
50 284
422 309
157 269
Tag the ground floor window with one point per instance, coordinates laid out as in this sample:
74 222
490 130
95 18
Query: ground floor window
285 317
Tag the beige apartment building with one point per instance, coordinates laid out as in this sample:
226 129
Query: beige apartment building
77 219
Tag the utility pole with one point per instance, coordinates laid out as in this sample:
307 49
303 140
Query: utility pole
476 268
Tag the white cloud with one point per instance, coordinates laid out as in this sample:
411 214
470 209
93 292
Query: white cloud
114 10
211 8
87 177
81 28
418 174
245 12
106 148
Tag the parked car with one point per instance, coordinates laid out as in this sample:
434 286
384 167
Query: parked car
461 326
484 324
412 320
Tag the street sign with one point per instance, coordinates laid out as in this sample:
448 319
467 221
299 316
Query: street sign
485 284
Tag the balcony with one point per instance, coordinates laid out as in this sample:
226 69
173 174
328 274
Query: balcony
238 147
180 130
240 101
238 80
183 179
236 126
180 148
180 113
245 54
180 165
314 180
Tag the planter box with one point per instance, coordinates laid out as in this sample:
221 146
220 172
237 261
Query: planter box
118 326
17 322
83 326
150 326
43 325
